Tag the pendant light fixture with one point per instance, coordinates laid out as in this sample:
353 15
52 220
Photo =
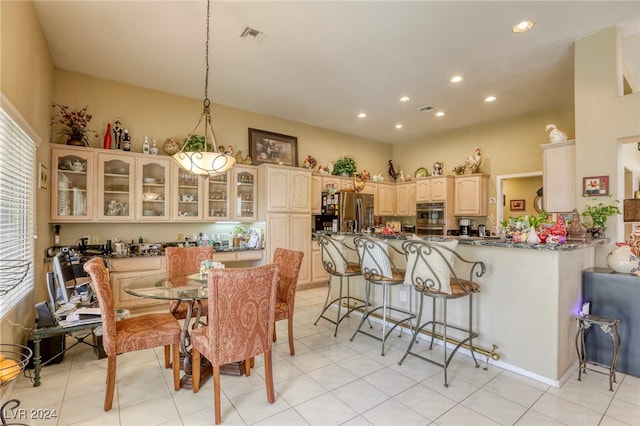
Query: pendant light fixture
205 160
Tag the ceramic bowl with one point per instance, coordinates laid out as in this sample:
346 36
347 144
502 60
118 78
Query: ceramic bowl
148 213
150 196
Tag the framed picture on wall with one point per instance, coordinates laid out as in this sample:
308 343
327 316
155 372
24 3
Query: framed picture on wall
595 186
517 205
274 148
43 177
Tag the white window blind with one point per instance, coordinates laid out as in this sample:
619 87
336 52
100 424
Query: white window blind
17 210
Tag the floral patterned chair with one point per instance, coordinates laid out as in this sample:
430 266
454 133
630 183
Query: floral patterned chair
131 334
183 261
289 262
240 324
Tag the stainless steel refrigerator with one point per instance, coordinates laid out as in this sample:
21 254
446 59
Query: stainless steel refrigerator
356 211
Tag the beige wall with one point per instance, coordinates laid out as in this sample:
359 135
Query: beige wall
161 115
26 80
508 147
521 189
604 118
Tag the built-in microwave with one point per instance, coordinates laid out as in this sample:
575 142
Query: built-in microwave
431 219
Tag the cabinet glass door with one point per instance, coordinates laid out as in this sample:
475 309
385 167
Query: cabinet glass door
72 189
153 196
218 199
187 195
245 193
115 188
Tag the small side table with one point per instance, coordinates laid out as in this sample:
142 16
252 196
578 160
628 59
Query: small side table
608 326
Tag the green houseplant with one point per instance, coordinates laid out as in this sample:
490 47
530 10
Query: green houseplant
596 216
345 166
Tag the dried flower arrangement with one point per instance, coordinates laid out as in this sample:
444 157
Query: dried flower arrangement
76 123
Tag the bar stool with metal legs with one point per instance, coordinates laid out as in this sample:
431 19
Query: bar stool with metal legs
430 270
378 269
335 261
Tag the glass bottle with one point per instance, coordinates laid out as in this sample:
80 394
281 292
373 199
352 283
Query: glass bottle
154 148
126 141
107 137
145 146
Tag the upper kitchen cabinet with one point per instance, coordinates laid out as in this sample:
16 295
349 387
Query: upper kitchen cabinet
217 196
471 195
72 184
116 188
386 199
245 193
558 176
406 199
186 189
286 189
434 189
153 174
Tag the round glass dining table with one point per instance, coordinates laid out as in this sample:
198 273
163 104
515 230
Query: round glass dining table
188 289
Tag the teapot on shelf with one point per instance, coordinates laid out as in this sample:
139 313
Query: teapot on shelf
77 166
114 208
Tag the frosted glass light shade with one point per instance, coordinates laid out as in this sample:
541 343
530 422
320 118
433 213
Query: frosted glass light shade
204 162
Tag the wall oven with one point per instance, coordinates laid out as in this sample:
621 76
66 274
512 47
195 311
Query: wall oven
431 219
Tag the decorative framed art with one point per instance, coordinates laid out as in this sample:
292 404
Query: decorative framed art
274 148
595 186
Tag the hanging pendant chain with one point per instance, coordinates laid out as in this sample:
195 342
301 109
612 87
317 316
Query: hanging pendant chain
206 79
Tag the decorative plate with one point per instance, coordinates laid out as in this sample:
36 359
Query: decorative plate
421 172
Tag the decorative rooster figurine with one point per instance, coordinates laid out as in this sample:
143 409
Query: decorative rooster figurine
392 171
473 162
555 135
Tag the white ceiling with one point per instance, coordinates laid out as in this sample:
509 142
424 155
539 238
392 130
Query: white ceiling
322 62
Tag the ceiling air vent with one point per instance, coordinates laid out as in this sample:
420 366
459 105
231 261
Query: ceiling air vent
426 108
252 35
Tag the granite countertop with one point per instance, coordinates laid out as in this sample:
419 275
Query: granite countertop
487 241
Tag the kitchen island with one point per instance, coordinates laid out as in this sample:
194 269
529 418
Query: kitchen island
527 305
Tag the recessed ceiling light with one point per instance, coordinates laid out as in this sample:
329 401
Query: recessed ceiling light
439 114
523 27
405 99
362 115
456 79
398 126
490 99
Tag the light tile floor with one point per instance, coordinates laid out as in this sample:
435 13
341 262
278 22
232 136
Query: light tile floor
330 381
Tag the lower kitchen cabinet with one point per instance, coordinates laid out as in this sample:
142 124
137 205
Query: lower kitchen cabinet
290 231
125 270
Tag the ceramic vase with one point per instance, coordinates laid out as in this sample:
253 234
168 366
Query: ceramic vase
622 260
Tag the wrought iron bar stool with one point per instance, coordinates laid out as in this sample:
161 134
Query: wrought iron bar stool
430 270
378 269
335 255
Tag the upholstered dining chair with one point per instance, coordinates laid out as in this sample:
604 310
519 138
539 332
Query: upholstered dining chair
430 271
289 262
335 260
379 269
184 261
131 334
240 325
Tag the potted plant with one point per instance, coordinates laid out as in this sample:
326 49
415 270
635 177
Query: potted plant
345 166
596 216
75 123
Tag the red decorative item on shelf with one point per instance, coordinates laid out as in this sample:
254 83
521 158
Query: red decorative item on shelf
107 137
559 228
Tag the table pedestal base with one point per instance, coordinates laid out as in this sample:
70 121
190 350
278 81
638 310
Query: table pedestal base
206 371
